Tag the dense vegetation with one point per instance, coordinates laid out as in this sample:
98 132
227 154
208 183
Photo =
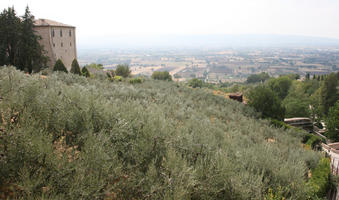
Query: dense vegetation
165 76
71 137
19 44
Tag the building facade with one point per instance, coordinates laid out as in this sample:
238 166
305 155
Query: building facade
58 40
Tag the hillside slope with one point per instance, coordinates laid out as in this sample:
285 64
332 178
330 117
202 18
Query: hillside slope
68 137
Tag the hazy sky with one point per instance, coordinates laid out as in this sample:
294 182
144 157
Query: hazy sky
95 18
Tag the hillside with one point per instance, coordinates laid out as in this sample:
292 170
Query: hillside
68 137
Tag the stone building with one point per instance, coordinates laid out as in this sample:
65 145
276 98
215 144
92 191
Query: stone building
58 40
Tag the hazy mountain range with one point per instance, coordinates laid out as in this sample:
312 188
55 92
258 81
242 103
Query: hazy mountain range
205 41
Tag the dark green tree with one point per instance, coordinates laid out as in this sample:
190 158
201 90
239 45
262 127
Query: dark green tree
10 28
307 77
297 101
257 78
332 122
122 70
75 69
195 83
264 100
165 76
328 93
30 53
59 66
85 72
280 86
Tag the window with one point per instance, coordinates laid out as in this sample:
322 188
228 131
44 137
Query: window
53 44
62 44
70 44
53 33
70 33
60 33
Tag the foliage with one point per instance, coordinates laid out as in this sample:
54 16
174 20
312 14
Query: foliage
19 44
257 78
297 101
280 124
59 66
122 70
319 182
332 122
85 72
75 69
277 195
195 83
95 66
68 137
135 80
264 100
312 141
165 76
329 94
280 86
117 78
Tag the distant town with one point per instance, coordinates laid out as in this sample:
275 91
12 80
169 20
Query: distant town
218 65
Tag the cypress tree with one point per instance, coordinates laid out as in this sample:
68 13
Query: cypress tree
59 66
9 37
75 69
85 72
31 56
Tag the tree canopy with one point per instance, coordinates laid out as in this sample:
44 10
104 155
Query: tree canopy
165 75
332 122
195 83
264 100
19 44
122 70
257 78
328 92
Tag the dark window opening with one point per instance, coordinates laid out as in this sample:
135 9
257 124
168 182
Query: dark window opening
70 44
62 44
53 44
70 33
60 33
53 33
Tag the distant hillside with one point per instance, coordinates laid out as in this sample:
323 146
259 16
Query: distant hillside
207 41
68 137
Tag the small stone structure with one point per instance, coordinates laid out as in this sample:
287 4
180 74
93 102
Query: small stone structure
237 97
58 40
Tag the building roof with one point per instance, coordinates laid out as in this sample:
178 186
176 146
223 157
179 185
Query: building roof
48 22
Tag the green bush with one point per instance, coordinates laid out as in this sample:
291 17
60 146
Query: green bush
319 182
280 124
135 80
75 69
59 66
118 78
69 137
85 72
122 70
165 76
195 83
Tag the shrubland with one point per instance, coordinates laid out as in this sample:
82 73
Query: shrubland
71 137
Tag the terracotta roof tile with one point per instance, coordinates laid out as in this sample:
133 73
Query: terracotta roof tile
47 22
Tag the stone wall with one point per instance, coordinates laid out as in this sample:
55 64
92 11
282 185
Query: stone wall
60 45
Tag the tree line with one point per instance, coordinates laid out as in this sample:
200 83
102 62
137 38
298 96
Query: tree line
19 44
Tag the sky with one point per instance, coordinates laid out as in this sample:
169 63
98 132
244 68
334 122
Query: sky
121 18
